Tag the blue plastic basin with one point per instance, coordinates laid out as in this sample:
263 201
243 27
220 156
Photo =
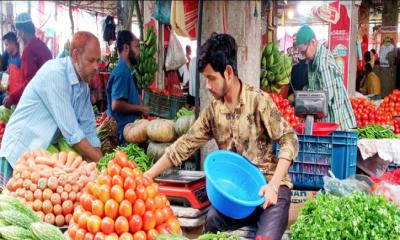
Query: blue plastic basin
233 183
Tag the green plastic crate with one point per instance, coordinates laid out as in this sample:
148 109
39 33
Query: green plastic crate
163 106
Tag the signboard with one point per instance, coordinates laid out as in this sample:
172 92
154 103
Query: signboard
339 39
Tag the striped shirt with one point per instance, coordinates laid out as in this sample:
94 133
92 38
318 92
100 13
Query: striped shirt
325 75
53 102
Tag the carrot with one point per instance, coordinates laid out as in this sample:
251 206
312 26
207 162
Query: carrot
54 158
83 164
34 169
21 161
43 152
46 173
27 155
69 170
58 171
31 162
37 153
76 162
20 168
70 158
45 161
62 157
91 166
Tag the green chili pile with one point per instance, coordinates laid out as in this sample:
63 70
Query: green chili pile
375 132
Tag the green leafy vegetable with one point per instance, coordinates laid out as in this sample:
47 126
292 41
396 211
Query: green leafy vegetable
184 112
134 152
218 236
356 216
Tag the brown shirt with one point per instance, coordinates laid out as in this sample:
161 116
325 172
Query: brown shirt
249 131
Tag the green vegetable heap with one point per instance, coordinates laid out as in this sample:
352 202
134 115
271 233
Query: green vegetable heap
375 132
356 216
134 152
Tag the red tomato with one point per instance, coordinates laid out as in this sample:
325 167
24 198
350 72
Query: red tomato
174 226
111 208
141 192
126 236
121 225
107 225
149 220
72 229
159 215
152 234
129 183
88 236
93 224
139 207
125 209
121 158
130 195
135 223
99 236
98 208
150 204
140 235
80 234
117 193
127 172
162 229
117 180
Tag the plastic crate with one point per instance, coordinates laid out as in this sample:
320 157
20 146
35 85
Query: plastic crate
317 155
163 106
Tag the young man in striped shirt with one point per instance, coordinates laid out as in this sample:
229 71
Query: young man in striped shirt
325 75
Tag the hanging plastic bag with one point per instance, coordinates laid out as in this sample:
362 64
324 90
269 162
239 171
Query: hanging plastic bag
175 54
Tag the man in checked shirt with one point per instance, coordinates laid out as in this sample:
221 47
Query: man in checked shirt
245 120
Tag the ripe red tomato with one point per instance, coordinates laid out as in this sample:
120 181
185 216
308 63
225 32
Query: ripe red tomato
117 193
93 224
129 183
126 236
121 225
149 220
107 225
121 158
152 234
139 207
135 223
141 192
127 172
173 225
125 209
99 236
111 209
130 195
140 235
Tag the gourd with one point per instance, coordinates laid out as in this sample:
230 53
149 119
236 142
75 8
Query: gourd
136 132
183 124
161 130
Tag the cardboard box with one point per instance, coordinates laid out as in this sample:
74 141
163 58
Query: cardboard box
300 196
299 199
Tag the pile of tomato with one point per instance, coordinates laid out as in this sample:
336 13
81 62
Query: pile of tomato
122 204
366 112
286 109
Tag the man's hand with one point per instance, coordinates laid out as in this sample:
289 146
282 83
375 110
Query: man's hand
7 102
270 194
145 110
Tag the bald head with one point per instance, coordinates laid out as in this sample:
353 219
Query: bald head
85 54
82 39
